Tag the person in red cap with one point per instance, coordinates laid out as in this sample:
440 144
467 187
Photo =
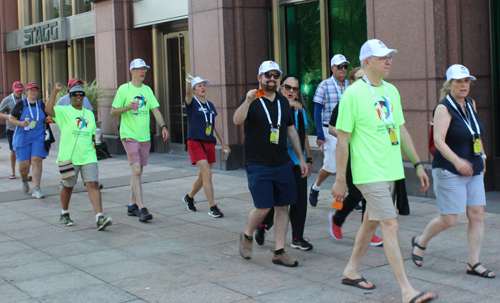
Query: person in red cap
5 109
29 138
66 100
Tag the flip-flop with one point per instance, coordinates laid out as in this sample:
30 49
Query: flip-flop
30 177
12 177
484 274
414 257
419 296
356 283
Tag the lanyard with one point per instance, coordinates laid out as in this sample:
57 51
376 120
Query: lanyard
471 113
205 114
31 113
267 113
387 105
337 86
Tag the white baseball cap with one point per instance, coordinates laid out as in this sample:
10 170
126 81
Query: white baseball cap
374 47
267 66
457 71
197 80
338 59
138 63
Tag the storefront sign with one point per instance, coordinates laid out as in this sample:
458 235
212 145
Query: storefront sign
43 33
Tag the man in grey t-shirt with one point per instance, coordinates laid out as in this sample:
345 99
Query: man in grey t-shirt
65 100
5 109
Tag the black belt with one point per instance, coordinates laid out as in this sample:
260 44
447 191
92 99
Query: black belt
326 125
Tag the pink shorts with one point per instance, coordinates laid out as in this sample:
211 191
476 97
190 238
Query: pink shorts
137 152
199 150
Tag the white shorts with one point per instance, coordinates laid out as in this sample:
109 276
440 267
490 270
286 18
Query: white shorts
330 152
455 193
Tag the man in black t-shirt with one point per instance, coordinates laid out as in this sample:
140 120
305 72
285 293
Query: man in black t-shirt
268 122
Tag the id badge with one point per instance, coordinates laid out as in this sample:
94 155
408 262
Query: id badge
32 124
477 147
393 136
275 136
208 130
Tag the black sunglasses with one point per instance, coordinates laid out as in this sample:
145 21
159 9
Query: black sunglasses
345 66
77 94
268 75
289 88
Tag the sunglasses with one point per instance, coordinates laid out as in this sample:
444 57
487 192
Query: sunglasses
289 88
269 75
345 66
77 94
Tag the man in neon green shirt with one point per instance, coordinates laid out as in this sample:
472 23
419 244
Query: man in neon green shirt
371 121
77 126
133 101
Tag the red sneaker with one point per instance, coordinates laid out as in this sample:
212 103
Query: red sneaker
335 230
376 241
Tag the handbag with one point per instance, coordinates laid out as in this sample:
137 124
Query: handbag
66 168
49 137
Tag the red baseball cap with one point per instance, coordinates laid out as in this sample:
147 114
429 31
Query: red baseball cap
17 86
32 85
74 81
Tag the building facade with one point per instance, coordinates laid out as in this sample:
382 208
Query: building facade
226 40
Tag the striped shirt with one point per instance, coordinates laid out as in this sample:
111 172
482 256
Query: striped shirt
329 96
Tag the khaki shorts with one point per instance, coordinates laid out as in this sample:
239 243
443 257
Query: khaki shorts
379 200
88 171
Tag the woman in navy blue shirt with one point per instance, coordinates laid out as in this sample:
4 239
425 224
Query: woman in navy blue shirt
201 115
458 168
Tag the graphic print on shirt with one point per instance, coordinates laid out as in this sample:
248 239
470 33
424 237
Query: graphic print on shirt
81 122
140 100
386 114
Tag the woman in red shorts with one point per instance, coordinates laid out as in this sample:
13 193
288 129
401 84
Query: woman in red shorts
201 115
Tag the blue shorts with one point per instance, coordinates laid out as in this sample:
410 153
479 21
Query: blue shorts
10 137
272 186
34 149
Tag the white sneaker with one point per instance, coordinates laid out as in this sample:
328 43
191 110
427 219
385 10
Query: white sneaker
37 193
26 186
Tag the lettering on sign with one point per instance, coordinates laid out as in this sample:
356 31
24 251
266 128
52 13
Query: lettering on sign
41 33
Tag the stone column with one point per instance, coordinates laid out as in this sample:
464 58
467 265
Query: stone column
228 42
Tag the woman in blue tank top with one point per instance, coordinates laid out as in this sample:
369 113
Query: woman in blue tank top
458 168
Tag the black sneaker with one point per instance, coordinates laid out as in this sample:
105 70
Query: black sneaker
259 235
215 212
313 196
144 215
301 244
190 203
133 210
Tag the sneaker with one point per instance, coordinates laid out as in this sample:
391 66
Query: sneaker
66 220
284 259
301 244
101 186
335 230
215 212
358 208
259 235
190 203
133 210
313 196
37 193
376 241
144 215
103 222
26 186
245 247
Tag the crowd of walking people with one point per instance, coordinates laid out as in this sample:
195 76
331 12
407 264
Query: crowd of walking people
360 130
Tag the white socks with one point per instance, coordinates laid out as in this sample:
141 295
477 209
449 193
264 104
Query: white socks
315 187
64 211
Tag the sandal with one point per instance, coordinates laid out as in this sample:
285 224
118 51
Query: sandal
484 274
12 177
414 257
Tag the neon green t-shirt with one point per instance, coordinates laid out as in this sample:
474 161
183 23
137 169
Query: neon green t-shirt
70 121
373 157
135 126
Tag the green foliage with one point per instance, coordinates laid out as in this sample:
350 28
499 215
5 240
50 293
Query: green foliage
92 91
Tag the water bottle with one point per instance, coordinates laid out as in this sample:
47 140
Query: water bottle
98 136
136 111
189 78
27 119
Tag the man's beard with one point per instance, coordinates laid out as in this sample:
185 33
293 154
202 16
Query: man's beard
270 89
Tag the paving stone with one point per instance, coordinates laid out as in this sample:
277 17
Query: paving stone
23 257
5 238
35 232
12 294
12 247
23 224
114 271
74 248
101 293
49 239
35 270
97 258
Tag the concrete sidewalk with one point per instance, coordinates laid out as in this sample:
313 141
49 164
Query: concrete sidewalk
183 256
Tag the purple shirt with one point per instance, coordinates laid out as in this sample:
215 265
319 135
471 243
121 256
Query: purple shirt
328 94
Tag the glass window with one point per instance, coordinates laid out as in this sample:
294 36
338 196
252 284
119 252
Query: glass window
68 8
24 13
348 29
36 11
51 9
495 56
303 36
82 6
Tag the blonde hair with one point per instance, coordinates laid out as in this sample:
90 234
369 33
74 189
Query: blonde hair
445 90
352 74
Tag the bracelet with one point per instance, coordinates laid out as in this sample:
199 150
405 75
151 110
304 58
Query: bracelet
164 126
309 160
483 156
417 164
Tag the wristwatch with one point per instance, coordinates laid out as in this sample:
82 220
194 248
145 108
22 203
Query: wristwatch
309 160
417 164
